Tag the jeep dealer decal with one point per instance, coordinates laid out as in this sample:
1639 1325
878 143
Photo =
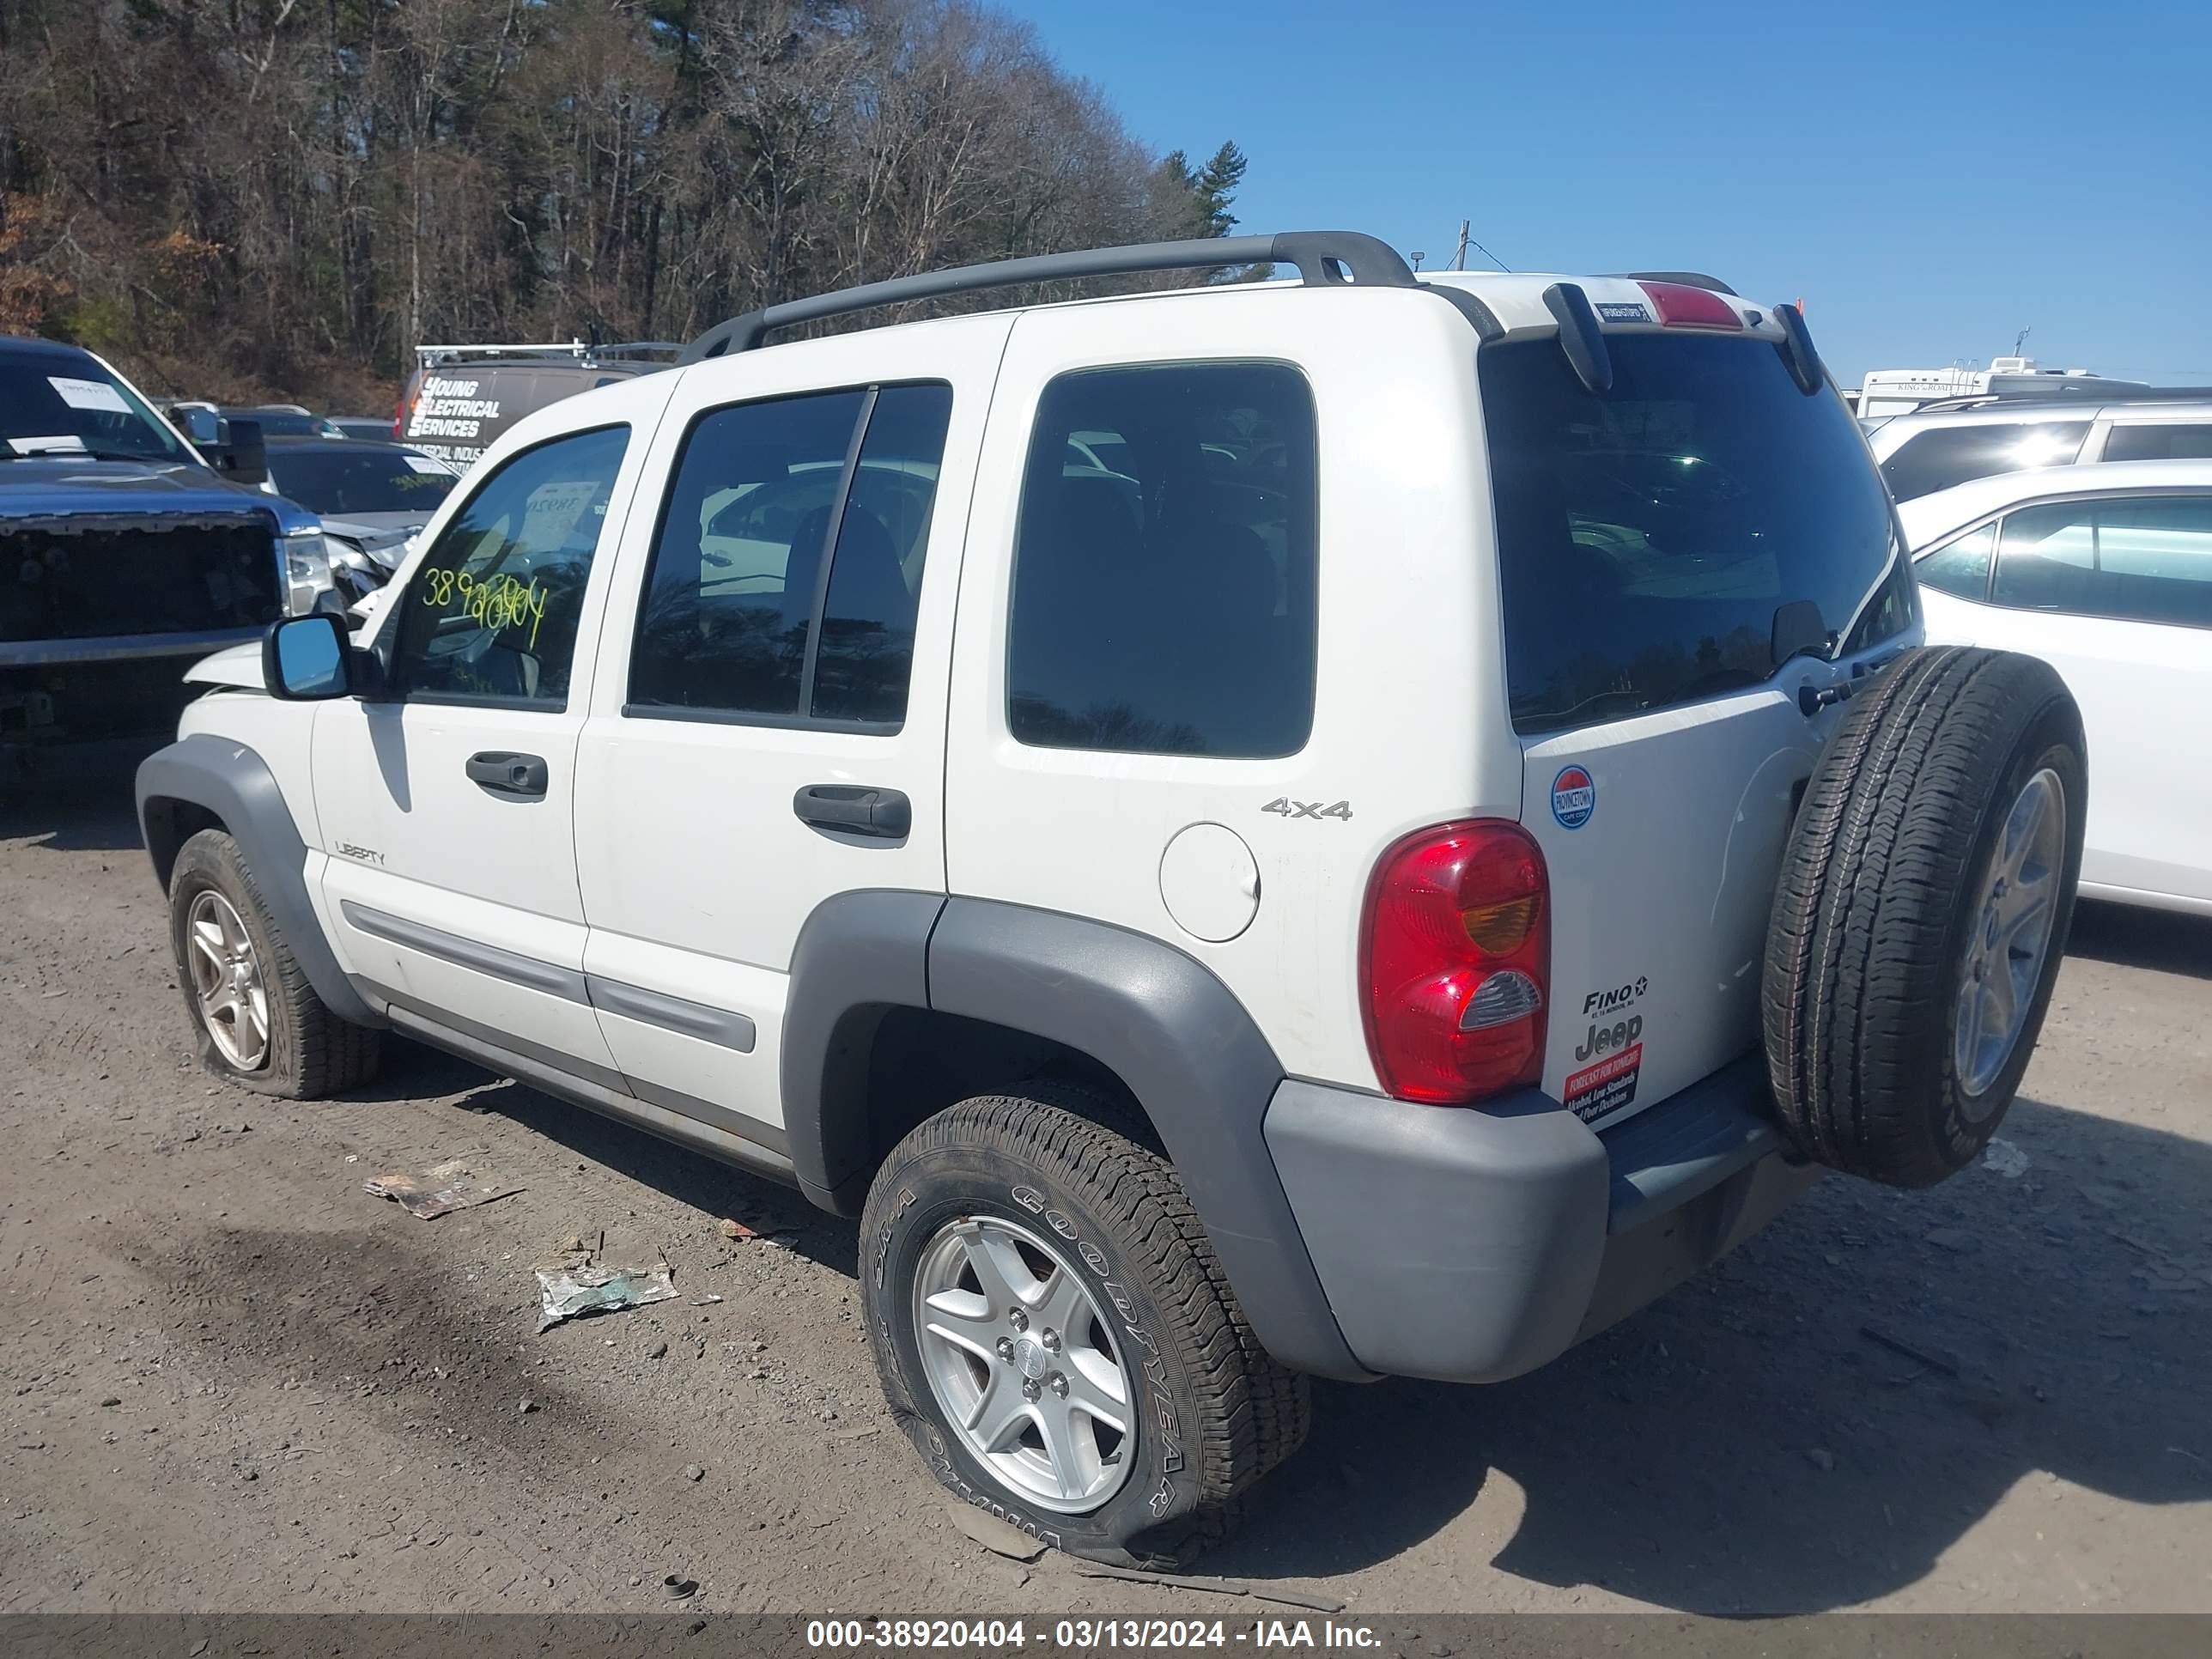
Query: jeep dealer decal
1574 797
1599 1091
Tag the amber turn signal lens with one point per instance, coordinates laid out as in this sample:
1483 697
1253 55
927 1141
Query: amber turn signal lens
1500 928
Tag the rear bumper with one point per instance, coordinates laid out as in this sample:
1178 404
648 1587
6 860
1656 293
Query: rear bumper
1472 1246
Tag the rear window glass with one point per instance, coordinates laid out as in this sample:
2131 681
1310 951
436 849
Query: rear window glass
1950 455
1647 538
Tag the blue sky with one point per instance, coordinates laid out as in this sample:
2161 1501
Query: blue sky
1930 179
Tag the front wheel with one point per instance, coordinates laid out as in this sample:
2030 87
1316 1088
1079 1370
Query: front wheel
257 1021
1055 1336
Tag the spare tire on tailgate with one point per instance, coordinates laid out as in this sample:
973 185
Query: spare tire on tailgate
1923 905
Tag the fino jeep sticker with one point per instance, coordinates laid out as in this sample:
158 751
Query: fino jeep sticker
1574 797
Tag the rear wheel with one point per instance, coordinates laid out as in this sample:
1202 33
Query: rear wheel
1924 906
257 1021
1053 1334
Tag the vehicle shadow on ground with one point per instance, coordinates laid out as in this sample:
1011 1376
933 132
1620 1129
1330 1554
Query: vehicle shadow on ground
91 811
413 1071
2130 937
1743 1446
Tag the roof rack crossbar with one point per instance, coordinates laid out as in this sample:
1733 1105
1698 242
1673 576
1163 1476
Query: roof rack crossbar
538 349
1323 258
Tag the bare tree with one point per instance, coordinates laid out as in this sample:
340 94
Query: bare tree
240 197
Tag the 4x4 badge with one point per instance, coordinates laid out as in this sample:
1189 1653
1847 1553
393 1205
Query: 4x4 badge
1574 797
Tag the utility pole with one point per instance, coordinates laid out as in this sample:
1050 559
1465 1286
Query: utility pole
1459 254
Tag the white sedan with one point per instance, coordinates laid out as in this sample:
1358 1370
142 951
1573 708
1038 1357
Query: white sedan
2105 573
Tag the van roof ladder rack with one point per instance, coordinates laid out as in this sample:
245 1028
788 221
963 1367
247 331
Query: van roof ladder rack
1323 258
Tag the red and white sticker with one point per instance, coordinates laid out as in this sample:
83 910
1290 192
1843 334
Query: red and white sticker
1602 1090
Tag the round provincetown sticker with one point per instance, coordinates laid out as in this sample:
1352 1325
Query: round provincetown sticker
1574 797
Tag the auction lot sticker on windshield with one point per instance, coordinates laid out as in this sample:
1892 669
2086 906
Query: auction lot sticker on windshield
88 394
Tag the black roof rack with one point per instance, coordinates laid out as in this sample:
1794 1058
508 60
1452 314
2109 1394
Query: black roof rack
1323 257
1687 278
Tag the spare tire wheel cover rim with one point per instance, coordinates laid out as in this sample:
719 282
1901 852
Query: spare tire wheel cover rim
1025 1366
2009 938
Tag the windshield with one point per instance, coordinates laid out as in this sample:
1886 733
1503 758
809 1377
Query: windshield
337 484
67 405
1647 538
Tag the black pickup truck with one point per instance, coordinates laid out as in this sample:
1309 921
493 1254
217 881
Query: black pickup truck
124 555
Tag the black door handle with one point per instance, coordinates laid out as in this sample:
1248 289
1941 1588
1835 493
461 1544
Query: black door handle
855 808
500 773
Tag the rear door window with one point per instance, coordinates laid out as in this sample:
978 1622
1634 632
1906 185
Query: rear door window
1647 538
2159 441
788 564
1949 455
2145 559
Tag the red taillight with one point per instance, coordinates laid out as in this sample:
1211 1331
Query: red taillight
399 410
1680 306
1455 962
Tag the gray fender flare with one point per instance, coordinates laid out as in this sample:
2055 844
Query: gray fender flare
1192 1056
1171 1030
858 956
235 784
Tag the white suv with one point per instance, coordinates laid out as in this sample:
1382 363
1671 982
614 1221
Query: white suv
1260 829
1937 448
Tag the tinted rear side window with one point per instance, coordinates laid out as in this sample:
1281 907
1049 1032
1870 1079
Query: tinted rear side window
728 613
2145 559
1950 455
739 617
1647 538
2159 440
1164 565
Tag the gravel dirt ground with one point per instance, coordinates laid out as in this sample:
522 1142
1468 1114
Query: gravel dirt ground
231 1381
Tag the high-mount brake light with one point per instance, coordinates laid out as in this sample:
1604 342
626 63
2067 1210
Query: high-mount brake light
1455 962
1680 306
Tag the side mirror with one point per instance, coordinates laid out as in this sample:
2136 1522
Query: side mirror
307 658
239 452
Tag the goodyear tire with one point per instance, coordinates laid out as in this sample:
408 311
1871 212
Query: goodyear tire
1055 1337
256 1021
1924 905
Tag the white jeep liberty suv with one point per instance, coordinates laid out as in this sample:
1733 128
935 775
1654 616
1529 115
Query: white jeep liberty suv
1368 825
